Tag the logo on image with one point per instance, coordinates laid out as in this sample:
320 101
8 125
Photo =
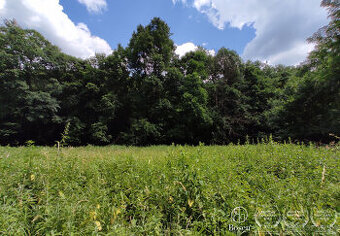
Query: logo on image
239 216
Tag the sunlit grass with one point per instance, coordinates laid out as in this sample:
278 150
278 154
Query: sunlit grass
162 189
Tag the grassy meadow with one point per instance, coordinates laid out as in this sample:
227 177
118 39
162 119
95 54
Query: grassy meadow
263 189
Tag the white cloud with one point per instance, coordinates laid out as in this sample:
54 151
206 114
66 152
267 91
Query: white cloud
184 48
175 1
94 5
293 56
2 4
282 26
211 52
199 3
48 18
181 50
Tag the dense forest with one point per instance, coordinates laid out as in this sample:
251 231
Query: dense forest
145 94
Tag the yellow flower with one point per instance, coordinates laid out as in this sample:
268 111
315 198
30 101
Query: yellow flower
190 202
32 177
93 215
61 194
98 206
115 214
99 226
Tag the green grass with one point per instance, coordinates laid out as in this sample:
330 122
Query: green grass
171 190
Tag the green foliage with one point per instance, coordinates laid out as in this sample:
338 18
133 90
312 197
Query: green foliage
29 90
312 112
166 190
99 133
64 135
145 94
30 143
142 132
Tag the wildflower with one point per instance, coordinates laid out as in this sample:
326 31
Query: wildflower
32 177
115 214
190 202
61 194
99 226
93 215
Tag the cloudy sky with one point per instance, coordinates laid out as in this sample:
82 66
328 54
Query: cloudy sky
268 30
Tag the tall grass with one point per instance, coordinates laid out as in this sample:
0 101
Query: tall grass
171 190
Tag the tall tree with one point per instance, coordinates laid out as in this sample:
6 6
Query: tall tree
29 88
314 112
226 97
149 55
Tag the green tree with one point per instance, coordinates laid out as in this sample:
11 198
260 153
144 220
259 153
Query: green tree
29 88
314 111
227 101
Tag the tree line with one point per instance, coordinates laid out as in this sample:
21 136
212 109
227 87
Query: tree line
145 94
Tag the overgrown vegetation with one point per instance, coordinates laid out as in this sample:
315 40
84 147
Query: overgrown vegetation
144 94
172 190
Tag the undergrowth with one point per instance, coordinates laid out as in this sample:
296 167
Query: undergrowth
171 190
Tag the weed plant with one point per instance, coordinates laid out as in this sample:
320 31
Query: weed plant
170 190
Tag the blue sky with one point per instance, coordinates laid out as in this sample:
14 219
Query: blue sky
274 31
120 19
